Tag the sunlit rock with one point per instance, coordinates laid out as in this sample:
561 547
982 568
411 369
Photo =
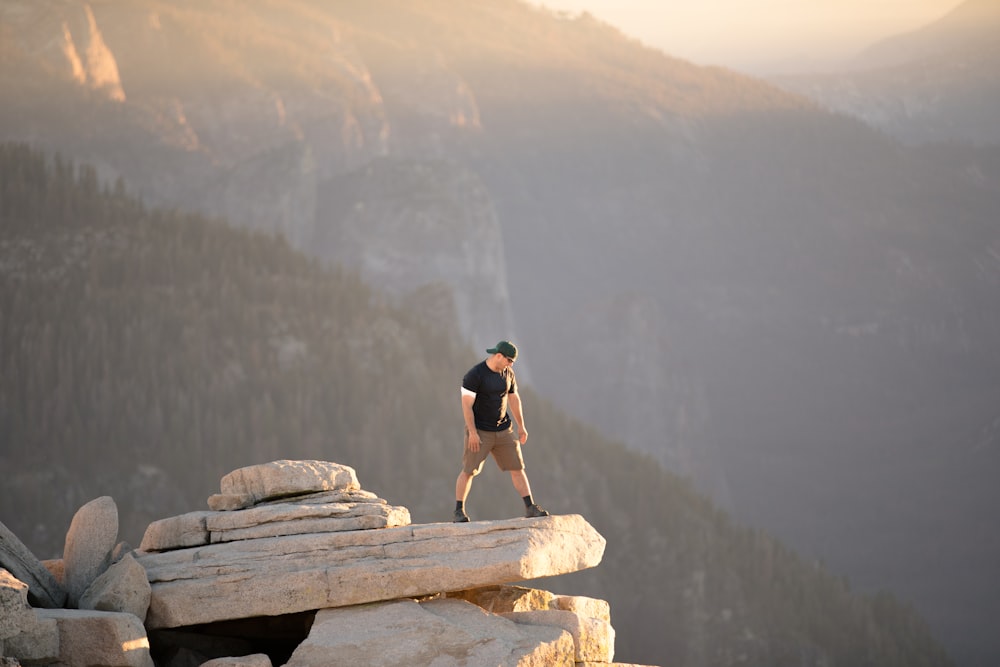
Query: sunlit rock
16 558
288 478
295 519
276 519
253 660
123 587
90 540
184 530
594 639
110 639
38 643
442 632
16 615
318 571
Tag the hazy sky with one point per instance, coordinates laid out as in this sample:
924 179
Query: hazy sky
758 34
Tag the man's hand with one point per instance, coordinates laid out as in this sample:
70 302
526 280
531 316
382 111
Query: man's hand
522 435
472 442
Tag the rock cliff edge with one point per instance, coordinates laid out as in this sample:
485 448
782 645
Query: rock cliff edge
295 564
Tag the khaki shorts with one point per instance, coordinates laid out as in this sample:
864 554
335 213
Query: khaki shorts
504 447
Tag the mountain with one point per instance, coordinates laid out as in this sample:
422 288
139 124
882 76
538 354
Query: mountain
143 351
788 307
972 25
939 83
274 117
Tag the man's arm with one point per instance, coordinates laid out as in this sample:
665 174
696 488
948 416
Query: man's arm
468 398
514 402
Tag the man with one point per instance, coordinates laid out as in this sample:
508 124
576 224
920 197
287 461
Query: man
488 389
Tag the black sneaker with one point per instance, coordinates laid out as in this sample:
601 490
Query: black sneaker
534 510
460 516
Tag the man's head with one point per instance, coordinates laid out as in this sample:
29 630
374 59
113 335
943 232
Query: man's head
506 348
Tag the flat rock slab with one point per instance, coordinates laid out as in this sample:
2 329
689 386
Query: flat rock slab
270 520
438 633
274 520
288 478
177 532
284 575
223 502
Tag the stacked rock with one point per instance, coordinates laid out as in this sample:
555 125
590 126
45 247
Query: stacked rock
277 499
83 609
286 561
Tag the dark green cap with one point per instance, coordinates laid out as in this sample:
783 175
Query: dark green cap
504 347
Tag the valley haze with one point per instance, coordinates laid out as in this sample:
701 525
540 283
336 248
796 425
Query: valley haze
762 36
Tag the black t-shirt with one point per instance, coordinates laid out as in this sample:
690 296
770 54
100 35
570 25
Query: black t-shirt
491 389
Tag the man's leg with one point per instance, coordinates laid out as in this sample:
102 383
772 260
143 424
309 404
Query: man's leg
520 480
462 486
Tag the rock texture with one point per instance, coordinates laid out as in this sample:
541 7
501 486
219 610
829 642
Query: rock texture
316 571
276 499
14 607
342 512
92 536
109 639
441 632
321 557
588 620
43 589
297 565
593 638
123 587
108 629
38 643
254 660
288 478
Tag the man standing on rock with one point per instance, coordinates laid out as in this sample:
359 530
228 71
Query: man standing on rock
488 389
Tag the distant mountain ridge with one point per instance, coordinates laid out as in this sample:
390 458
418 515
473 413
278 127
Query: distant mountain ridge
973 24
936 84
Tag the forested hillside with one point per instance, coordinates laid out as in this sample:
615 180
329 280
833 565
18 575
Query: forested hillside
144 353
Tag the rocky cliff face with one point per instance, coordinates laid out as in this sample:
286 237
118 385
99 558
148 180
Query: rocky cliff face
298 565
231 134
413 225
